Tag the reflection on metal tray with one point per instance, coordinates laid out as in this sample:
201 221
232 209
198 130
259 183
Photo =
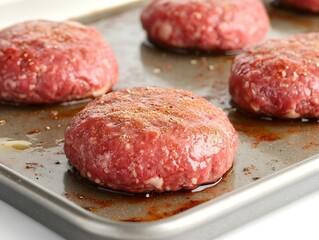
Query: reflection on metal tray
270 166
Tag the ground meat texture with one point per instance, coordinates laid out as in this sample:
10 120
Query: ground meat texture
205 24
150 139
306 5
279 78
48 62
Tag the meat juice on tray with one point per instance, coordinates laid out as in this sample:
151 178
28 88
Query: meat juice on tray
304 5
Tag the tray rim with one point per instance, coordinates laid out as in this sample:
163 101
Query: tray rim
183 222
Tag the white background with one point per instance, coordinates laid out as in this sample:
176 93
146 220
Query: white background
295 221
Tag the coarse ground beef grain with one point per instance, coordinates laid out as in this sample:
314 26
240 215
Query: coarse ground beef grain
307 5
48 62
205 24
151 139
278 78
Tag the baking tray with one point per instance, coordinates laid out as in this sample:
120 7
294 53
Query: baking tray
276 161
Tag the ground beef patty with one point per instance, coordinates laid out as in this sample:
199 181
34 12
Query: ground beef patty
205 24
279 78
151 139
307 5
47 62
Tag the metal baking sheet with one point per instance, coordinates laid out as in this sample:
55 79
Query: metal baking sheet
276 161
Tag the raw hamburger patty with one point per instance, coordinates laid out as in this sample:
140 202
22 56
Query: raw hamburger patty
308 5
279 78
150 139
205 24
47 62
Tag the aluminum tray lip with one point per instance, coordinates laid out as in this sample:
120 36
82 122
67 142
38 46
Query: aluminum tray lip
102 13
168 227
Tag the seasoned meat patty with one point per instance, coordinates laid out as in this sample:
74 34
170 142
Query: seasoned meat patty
306 5
278 78
151 139
205 24
48 62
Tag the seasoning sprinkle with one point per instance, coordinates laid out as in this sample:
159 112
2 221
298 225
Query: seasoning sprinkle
54 113
193 61
211 67
157 70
